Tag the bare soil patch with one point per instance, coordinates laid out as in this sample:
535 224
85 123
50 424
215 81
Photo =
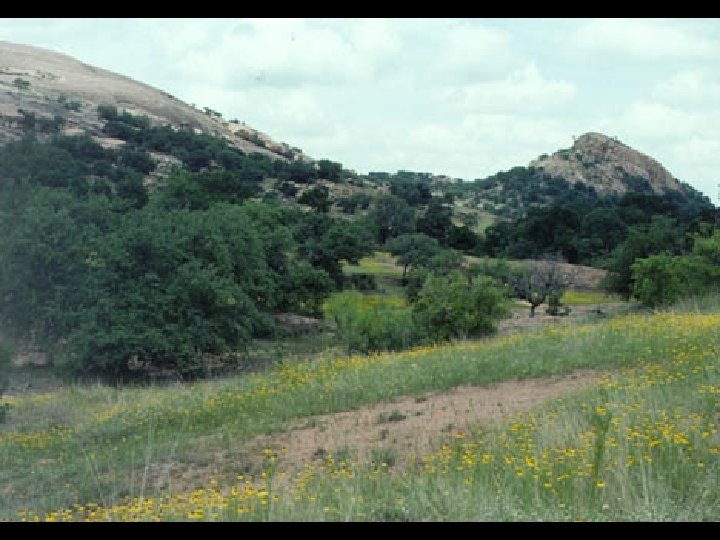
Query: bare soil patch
521 321
402 428
413 425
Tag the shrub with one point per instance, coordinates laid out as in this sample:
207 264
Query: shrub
364 326
363 282
21 83
662 279
448 306
163 287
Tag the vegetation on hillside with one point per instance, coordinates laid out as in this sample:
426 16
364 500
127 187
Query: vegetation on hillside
640 445
122 270
117 268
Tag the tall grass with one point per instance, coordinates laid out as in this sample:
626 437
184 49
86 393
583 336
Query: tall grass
98 448
578 298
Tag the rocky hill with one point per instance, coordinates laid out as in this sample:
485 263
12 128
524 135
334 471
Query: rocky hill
55 87
609 166
57 92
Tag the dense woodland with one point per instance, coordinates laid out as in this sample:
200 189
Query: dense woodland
103 268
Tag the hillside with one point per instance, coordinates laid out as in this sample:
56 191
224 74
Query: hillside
609 166
143 234
200 324
49 85
54 92
607 421
596 170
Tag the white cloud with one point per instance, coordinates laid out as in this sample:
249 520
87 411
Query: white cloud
685 141
690 87
646 39
473 146
460 97
654 120
523 91
471 52
697 158
280 52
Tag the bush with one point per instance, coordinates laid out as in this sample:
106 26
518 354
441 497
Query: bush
6 354
305 289
655 281
366 324
450 307
317 197
21 83
363 282
107 112
137 159
163 287
662 280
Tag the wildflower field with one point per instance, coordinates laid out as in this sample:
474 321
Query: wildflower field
643 443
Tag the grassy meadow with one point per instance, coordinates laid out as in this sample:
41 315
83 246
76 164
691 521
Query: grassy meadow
640 444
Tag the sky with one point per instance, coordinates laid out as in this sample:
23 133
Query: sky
461 97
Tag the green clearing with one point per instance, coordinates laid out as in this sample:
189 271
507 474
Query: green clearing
381 263
656 408
580 298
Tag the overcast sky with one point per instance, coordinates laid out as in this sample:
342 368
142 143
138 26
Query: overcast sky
466 98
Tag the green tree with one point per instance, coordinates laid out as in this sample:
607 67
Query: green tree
329 170
449 307
436 222
137 159
663 279
305 289
542 280
349 205
662 235
392 217
462 238
43 273
324 242
442 263
168 286
412 192
317 198
131 190
656 280
370 324
412 250
5 357
201 190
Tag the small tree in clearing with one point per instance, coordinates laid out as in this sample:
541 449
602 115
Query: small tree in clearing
448 307
542 280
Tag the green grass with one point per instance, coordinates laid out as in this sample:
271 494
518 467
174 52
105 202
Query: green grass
485 219
99 445
641 446
383 267
578 298
380 263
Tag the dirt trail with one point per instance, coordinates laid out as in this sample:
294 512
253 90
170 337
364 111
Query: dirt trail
401 428
409 426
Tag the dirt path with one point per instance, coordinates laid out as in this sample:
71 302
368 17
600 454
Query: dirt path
409 426
401 428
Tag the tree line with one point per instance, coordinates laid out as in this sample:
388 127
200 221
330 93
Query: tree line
106 270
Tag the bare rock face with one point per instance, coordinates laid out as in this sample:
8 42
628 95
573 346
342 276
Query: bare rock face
608 165
51 84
